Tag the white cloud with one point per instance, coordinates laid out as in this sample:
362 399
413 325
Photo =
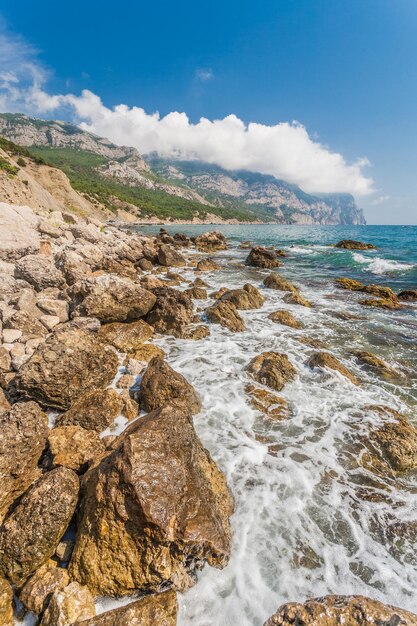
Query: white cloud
204 74
381 200
284 150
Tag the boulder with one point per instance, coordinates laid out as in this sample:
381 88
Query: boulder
5 360
73 447
31 532
211 241
267 402
151 282
156 610
381 303
144 264
153 511
72 265
408 295
196 333
64 367
6 604
110 298
286 318
262 257
296 298
350 284
198 293
24 428
170 257
225 314
69 606
39 271
246 298
380 291
4 403
272 369
30 327
377 365
351 244
325 360
216 295
162 386
93 410
51 306
394 444
148 351
207 265
275 281
336 610
126 337
18 231
37 590
172 311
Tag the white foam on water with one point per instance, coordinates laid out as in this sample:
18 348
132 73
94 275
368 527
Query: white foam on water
378 265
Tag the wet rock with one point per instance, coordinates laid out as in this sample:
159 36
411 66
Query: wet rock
170 257
153 511
67 365
94 410
216 295
69 606
207 265
272 369
381 303
268 403
199 282
196 333
377 365
36 592
6 603
408 295
225 314
380 291
286 318
172 312
39 271
198 293
296 298
395 443
126 337
24 429
275 281
211 241
73 446
148 351
246 298
335 610
155 610
351 244
325 360
162 386
31 532
110 298
350 284
262 257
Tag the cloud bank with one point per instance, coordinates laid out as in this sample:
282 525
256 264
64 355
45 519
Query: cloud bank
284 150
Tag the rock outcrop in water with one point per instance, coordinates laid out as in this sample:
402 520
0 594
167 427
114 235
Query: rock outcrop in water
159 610
262 257
272 369
352 244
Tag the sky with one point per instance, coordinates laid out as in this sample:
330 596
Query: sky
321 93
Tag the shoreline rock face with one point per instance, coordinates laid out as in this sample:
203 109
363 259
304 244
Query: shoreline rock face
156 610
146 520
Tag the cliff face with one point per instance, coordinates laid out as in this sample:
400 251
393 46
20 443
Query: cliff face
120 178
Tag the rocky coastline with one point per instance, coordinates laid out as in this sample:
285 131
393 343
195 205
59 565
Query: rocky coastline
88 511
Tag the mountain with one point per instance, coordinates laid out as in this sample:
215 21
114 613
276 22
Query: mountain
119 179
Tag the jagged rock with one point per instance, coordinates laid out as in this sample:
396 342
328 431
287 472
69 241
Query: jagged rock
31 532
69 606
57 308
199 282
18 234
126 337
296 298
73 446
170 257
153 511
350 284
394 443
146 352
110 298
268 403
10 335
197 293
121 267
225 314
246 298
64 549
351 244
73 266
216 295
67 365
36 592
196 333
408 295
45 227
207 265
30 327
286 318
336 610
5 360
151 282
329 361
6 603
156 610
4 403
275 281
172 312
145 265
24 429
262 257
380 291
93 410
377 365
272 369
211 241
39 271
162 386
381 303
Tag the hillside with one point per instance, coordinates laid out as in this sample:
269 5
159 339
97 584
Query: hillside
118 178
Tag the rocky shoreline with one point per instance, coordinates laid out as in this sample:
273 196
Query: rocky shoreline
87 513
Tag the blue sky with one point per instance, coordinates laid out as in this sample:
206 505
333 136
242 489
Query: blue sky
346 70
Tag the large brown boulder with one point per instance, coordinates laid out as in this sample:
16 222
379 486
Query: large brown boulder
380 303
110 298
380 291
72 266
275 281
172 312
153 511
156 610
169 256
394 445
352 244
262 257
69 606
211 241
126 337
206 265
408 295
350 284
31 532
6 604
272 369
325 360
37 590
225 314
286 318
94 410
377 365
337 610
249 297
296 298
73 447
268 403
67 365
23 428
162 386
39 271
